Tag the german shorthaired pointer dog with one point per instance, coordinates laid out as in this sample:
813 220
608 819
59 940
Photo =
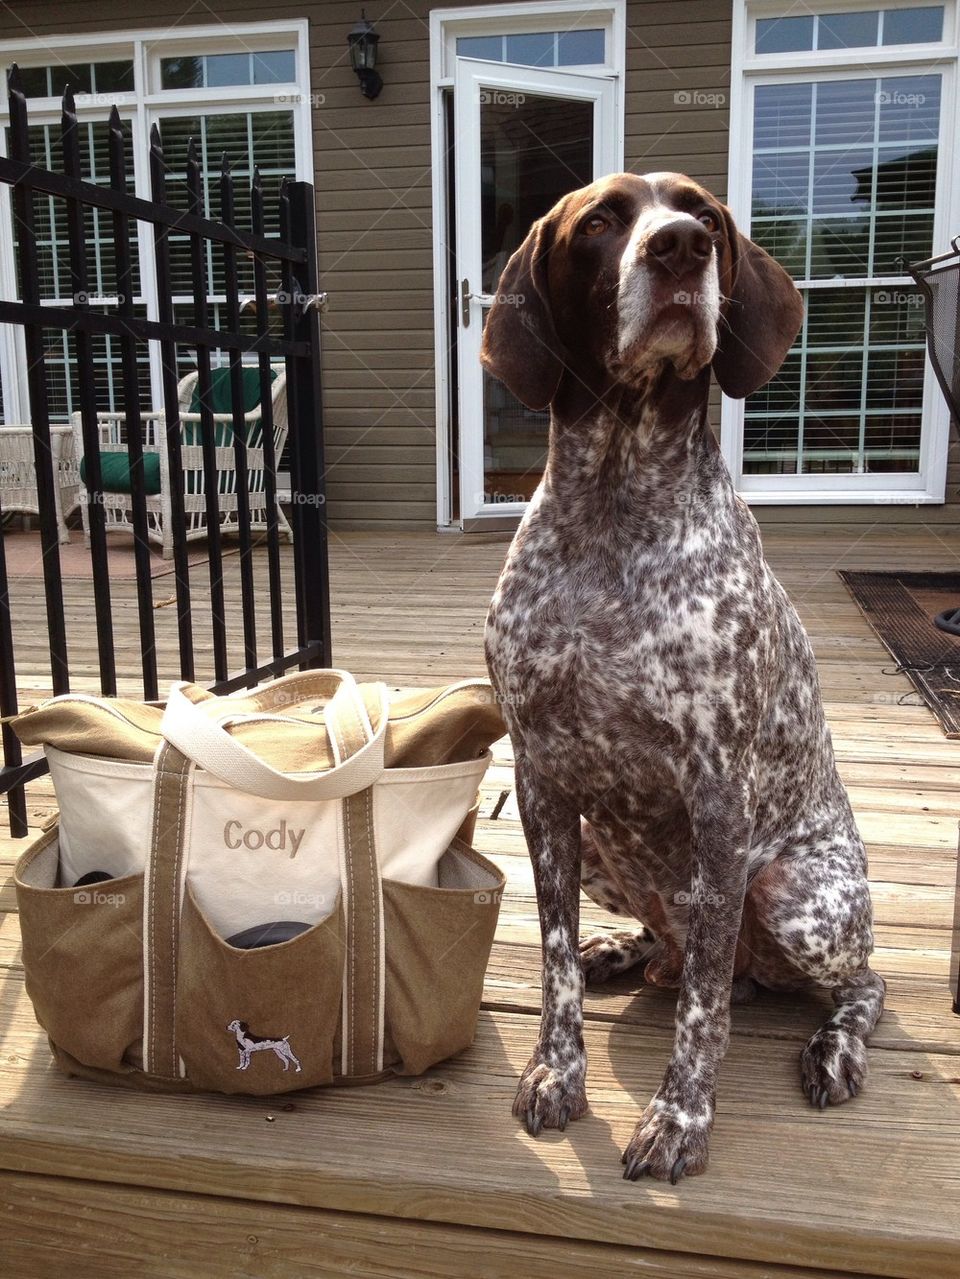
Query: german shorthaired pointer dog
672 755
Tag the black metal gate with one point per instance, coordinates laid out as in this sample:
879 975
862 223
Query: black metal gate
292 261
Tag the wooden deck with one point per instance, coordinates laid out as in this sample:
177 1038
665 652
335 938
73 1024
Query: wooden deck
432 1176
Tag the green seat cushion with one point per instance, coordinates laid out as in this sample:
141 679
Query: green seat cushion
115 472
221 401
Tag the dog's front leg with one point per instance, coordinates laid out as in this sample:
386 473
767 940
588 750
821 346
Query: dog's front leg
552 1087
672 1135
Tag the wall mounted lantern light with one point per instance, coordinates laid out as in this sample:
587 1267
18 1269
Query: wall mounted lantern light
363 41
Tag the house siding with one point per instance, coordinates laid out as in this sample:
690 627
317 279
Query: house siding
372 168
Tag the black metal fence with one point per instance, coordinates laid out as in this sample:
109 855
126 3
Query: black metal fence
291 260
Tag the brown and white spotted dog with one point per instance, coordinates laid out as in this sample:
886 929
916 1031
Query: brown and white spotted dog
672 754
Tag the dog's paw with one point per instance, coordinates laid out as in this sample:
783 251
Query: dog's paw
604 955
667 1143
833 1067
549 1098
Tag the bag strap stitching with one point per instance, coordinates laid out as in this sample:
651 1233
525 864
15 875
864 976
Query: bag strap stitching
341 745
375 916
157 802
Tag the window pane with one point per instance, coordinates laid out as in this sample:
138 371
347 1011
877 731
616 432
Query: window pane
536 50
77 77
847 30
580 48
831 444
845 111
181 73
892 442
835 318
264 139
913 26
489 48
781 116
785 240
35 82
909 108
275 66
113 77
227 68
781 184
784 35
770 445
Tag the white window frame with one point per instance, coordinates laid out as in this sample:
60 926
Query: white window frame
496 19
143 107
928 485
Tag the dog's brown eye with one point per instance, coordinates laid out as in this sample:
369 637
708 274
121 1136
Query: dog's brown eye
595 225
709 221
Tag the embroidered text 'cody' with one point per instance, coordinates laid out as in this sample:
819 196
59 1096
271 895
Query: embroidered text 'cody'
278 839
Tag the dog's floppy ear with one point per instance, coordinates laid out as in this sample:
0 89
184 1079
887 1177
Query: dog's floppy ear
520 345
762 315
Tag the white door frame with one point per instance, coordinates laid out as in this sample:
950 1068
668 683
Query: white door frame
472 79
445 25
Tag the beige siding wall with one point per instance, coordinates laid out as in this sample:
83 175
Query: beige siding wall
373 178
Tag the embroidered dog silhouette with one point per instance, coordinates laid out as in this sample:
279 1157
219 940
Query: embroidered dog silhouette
247 1044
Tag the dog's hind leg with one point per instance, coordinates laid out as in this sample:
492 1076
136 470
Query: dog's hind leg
603 955
815 903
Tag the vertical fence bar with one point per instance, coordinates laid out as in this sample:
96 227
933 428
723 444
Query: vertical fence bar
310 553
12 752
239 425
168 365
80 288
133 421
208 427
23 211
258 226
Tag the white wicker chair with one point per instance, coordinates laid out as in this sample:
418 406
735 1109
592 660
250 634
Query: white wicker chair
118 508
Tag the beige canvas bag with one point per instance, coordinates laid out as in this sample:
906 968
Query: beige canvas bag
313 799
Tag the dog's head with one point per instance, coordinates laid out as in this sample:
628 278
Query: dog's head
633 273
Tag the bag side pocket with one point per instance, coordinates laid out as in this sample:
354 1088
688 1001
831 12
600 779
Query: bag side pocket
258 1021
83 959
437 946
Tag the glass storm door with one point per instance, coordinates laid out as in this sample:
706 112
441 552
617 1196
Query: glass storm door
524 138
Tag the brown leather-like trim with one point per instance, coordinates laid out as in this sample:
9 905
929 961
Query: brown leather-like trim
363 916
162 912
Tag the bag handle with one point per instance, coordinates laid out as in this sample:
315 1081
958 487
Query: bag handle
187 726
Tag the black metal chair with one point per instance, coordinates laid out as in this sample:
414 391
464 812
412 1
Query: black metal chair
939 281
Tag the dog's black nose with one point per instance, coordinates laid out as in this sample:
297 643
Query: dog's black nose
680 246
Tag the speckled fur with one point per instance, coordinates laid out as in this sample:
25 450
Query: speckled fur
672 753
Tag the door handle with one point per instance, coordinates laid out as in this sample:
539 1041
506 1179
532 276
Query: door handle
466 297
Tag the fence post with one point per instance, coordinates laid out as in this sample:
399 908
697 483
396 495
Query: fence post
308 471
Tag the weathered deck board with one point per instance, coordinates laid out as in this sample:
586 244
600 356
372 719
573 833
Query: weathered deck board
433 1177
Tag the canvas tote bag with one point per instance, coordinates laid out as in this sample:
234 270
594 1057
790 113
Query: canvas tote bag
313 800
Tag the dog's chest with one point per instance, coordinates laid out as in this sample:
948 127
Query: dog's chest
610 663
